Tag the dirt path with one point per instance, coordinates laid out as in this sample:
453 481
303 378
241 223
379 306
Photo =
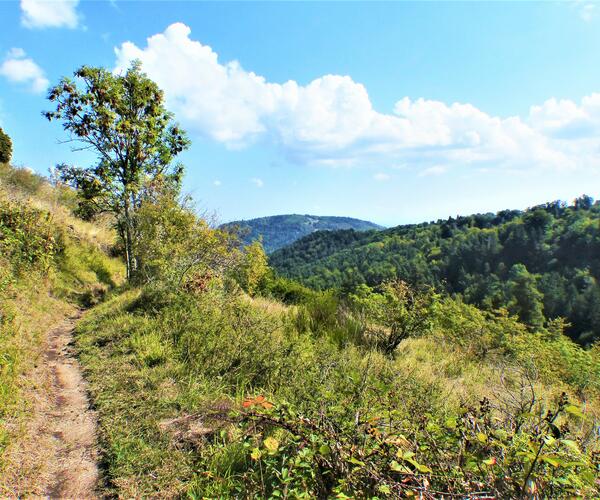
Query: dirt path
69 420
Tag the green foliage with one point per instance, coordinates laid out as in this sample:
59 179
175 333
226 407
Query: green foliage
177 248
514 450
122 118
329 413
5 147
540 264
253 269
27 236
525 299
397 313
279 231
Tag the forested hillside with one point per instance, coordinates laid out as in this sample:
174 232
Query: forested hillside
540 264
278 231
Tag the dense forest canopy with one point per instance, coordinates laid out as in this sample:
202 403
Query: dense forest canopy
542 263
278 231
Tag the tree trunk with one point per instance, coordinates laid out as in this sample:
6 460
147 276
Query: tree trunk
128 242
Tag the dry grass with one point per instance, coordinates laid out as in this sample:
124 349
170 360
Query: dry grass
33 304
48 198
23 465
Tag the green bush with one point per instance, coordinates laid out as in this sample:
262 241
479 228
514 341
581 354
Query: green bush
28 236
5 147
514 450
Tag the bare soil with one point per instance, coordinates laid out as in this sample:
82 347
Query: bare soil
59 456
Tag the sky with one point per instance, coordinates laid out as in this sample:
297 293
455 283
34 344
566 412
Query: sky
394 112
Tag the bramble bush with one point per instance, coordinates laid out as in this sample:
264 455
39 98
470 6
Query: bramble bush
515 448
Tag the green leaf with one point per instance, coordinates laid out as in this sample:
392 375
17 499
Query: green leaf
356 461
550 460
451 423
571 444
575 411
385 489
420 467
324 449
396 467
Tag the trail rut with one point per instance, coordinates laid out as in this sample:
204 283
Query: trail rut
67 422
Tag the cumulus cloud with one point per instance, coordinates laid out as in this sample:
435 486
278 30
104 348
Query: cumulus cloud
331 121
217 183
257 182
18 68
49 14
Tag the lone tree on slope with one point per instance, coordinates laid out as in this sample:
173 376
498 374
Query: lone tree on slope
122 118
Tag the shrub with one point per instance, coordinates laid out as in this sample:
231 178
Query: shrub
506 449
253 268
5 147
27 235
176 247
398 312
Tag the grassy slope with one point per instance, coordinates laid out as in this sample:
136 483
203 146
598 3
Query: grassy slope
35 298
150 360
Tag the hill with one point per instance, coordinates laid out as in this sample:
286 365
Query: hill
541 263
279 231
215 388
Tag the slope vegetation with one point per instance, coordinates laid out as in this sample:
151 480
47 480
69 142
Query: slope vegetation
211 377
51 264
540 264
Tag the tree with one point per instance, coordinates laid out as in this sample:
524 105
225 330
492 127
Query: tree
122 118
176 247
5 147
403 311
525 299
253 267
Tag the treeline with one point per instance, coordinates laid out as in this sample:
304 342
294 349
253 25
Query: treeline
541 264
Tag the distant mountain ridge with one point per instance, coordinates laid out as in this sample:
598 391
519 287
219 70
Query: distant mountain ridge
278 231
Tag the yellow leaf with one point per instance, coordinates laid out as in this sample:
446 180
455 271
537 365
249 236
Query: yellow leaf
271 444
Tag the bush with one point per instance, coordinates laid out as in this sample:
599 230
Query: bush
27 236
176 247
512 448
5 147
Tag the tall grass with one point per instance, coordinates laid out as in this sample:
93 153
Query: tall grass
50 264
157 362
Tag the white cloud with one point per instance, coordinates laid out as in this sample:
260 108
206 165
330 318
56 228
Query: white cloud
18 68
381 176
586 11
331 121
49 13
257 182
217 182
434 170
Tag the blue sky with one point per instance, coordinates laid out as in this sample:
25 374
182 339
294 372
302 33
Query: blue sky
392 112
